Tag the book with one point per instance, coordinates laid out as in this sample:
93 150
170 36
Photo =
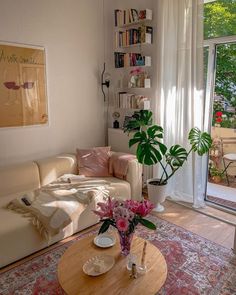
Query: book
129 16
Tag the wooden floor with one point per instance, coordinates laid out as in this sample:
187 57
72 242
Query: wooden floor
205 226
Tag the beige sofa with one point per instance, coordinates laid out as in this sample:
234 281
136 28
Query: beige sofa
18 237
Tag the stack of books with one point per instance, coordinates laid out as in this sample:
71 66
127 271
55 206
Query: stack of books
131 59
129 16
126 100
142 34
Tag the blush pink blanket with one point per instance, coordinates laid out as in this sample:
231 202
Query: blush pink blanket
118 164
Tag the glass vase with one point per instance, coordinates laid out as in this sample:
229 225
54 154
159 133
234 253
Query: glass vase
125 242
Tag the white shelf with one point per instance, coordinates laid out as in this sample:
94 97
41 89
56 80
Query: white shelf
134 88
133 45
140 22
131 67
131 109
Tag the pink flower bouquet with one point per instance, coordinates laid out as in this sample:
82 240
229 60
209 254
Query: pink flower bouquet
125 216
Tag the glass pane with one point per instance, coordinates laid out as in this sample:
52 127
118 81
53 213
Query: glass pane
225 87
221 187
219 18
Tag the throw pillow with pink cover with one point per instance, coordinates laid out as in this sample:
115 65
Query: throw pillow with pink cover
94 162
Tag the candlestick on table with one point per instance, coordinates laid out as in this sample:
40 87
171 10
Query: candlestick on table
144 253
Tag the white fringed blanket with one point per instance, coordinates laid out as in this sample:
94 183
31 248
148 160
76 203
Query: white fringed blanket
55 206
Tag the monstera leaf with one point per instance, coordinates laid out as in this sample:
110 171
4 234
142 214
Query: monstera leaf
176 156
200 141
139 119
149 149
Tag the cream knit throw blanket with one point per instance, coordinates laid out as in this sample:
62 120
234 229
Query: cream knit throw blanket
55 206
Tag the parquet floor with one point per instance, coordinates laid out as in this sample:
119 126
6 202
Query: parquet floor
203 225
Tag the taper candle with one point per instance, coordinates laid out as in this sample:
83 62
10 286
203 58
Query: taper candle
144 253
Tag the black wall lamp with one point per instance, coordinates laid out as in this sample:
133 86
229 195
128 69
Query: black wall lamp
105 80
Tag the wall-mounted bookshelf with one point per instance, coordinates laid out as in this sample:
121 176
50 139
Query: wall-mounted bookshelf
132 67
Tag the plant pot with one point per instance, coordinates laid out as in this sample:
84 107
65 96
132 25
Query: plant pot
216 179
156 193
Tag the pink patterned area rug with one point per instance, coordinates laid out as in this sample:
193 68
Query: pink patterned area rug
195 265
222 202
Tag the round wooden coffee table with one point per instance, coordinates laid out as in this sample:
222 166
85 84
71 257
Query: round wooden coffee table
116 281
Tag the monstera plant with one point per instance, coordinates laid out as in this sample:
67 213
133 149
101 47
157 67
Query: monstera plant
150 149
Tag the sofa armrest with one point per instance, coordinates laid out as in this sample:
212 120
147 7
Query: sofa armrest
134 177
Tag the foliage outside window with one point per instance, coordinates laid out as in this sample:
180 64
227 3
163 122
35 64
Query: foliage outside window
219 21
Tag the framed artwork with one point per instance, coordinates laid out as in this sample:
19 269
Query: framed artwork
23 96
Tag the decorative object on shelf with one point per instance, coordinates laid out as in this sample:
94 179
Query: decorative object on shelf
23 94
116 124
125 216
125 100
105 78
144 103
139 79
151 151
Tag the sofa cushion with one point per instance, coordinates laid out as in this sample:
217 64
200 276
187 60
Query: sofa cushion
20 177
94 162
53 167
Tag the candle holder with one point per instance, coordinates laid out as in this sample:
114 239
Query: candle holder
142 269
131 258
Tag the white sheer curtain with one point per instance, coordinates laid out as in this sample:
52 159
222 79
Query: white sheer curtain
180 90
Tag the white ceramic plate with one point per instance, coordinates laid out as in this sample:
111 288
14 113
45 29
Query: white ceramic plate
98 265
104 240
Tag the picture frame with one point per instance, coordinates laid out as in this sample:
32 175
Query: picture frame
23 85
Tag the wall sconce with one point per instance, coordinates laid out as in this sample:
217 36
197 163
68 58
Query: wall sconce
105 80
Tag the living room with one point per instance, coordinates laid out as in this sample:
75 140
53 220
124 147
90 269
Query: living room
190 245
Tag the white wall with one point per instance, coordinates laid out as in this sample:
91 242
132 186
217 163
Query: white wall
71 32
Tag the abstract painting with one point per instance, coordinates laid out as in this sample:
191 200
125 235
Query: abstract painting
23 97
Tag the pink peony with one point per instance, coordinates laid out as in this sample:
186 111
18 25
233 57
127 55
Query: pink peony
122 224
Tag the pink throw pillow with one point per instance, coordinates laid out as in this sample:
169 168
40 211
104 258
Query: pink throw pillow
94 162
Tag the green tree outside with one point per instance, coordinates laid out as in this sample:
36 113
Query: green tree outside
219 21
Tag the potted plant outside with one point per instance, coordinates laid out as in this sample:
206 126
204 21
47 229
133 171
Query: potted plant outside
216 173
150 150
